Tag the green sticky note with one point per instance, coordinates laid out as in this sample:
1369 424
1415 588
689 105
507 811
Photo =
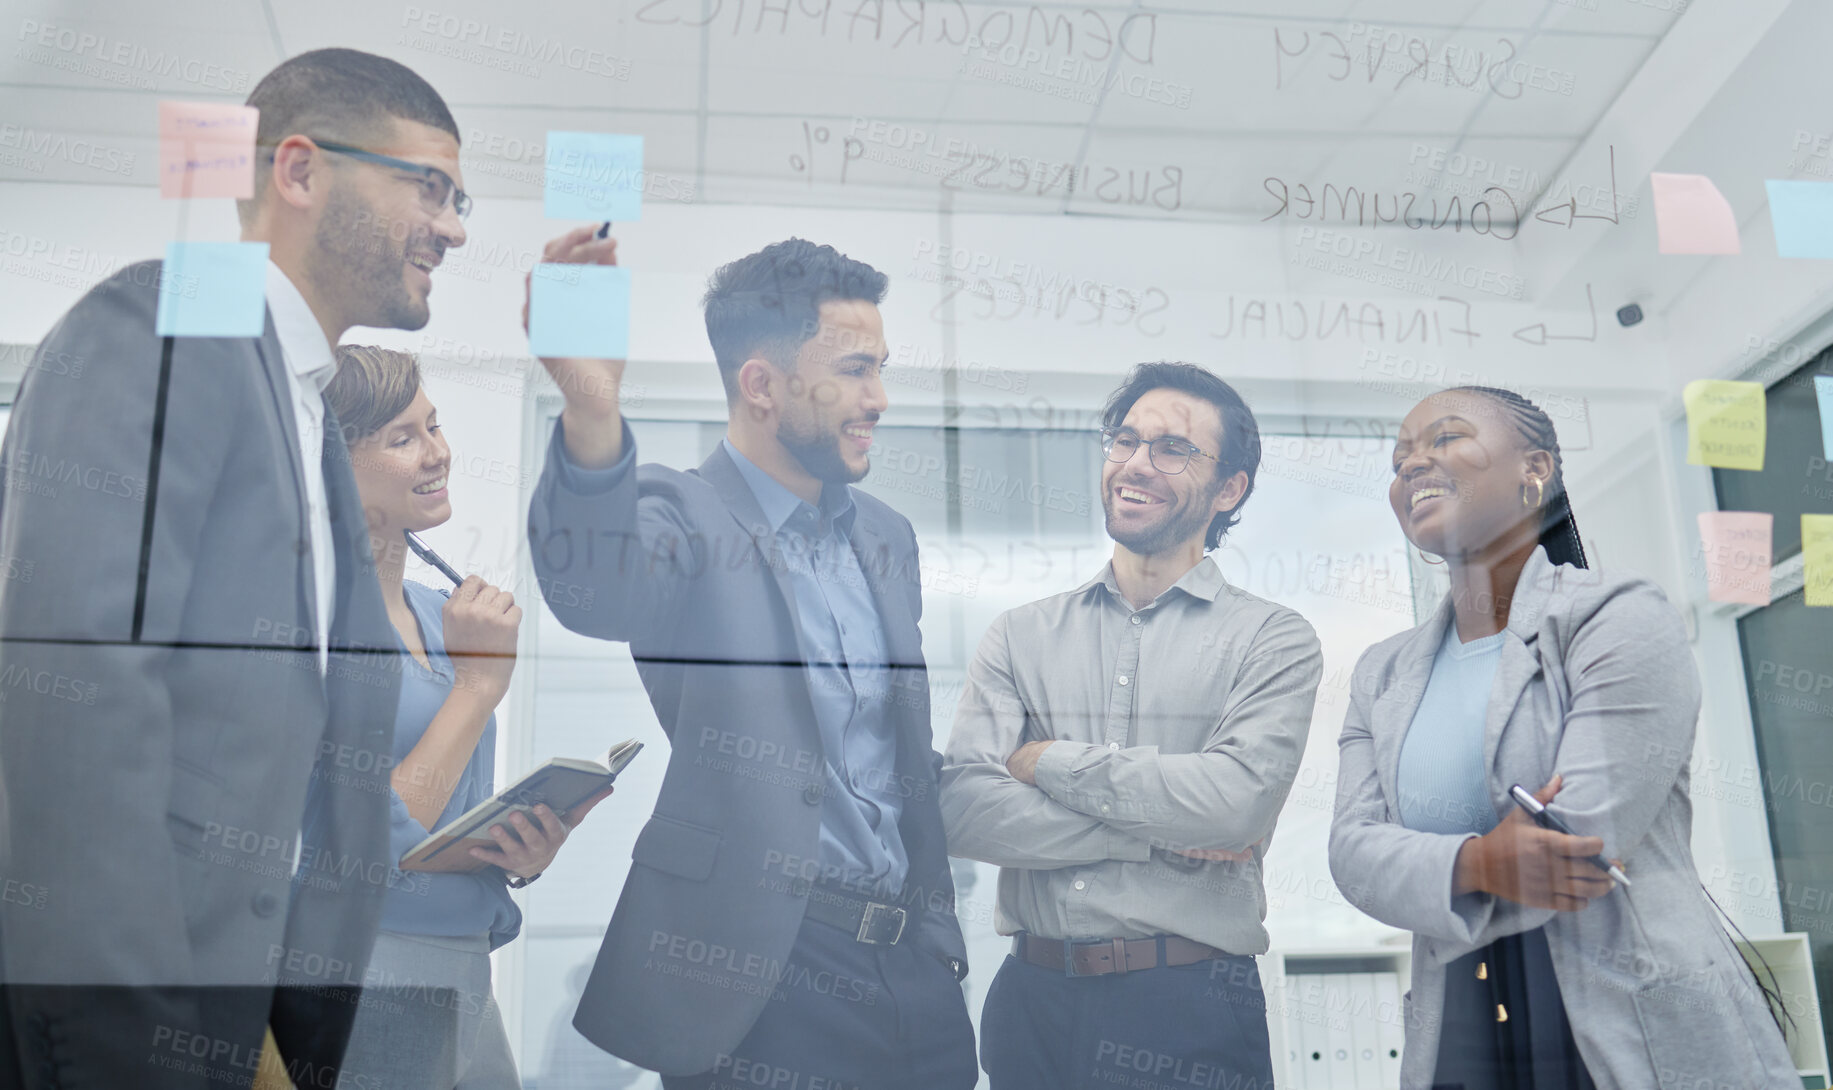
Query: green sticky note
1727 424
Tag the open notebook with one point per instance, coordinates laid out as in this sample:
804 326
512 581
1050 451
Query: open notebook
562 783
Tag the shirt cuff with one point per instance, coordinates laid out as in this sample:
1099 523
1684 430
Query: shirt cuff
587 482
1127 848
1470 912
1053 770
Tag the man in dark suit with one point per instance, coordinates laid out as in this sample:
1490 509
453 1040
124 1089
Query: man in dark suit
788 919
197 679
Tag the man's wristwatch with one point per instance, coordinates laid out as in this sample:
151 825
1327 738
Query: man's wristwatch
517 881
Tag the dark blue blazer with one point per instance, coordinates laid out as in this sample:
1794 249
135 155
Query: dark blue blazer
683 566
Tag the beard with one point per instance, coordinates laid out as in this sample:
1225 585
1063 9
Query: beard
367 265
1175 526
817 447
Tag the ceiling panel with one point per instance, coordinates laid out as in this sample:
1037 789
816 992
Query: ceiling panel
825 102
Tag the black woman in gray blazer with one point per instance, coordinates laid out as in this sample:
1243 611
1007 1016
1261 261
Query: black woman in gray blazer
1531 966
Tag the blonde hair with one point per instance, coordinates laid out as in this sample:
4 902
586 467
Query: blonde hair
372 387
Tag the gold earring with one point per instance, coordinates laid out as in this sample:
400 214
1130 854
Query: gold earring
1540 494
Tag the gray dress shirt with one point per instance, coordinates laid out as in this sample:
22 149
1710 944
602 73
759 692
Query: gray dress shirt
1179 725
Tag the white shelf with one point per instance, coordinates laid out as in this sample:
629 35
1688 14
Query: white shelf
1792 962
1313 1011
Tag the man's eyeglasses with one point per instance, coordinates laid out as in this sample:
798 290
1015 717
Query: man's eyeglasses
1168 454
437 189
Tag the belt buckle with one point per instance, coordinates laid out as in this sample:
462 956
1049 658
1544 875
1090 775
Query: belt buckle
868 921
1069 958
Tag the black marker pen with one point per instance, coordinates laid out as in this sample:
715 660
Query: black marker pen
423 552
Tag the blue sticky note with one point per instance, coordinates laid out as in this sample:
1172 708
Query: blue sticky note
594 176
213 289
1823 390
580 310
1802 215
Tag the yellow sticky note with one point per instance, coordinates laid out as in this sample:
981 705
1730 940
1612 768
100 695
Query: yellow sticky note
1817 559
1726 424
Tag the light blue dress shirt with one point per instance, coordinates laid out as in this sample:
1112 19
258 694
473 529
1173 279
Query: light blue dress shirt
843 645
1441 778
419 903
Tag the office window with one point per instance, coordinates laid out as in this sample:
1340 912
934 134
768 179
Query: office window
1788 667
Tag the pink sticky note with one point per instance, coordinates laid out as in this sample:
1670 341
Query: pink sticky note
1736 547
207 149
1692 216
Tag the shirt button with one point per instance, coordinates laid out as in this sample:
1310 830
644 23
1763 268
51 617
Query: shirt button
1104 807
266 903
1135 618
1123 679
1080 884
1113 745
812 794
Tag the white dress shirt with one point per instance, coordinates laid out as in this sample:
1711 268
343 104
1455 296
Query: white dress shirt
310 365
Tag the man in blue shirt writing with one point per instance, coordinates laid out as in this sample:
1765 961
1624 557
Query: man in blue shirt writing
788 919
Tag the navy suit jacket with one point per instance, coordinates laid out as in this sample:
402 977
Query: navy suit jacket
683 566
152 792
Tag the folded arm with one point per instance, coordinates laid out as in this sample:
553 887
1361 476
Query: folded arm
1404 877
1229 794
990 815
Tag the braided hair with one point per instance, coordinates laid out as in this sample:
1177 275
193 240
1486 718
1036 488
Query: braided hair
1558 528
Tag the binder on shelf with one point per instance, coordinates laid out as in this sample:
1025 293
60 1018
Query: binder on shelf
1342 1044
1365 1030
1291 1020
1390 1028
1314 1036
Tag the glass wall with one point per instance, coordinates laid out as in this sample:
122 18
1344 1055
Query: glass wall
1023 521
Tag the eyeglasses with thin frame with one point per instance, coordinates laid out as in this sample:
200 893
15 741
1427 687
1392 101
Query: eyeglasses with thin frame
1168 453
437 189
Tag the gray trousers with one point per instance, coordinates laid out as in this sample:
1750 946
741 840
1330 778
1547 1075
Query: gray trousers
428 1020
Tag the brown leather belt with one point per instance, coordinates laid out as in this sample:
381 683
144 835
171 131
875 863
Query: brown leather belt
1110 955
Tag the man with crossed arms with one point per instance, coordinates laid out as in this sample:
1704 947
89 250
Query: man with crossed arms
1122 752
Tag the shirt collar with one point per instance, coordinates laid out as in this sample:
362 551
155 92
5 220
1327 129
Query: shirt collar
302 339
1203 581
779 503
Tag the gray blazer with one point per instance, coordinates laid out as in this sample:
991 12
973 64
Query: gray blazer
151 793
1596 682
683 566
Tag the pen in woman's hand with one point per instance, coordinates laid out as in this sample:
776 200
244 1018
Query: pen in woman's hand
423 552
1546 819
